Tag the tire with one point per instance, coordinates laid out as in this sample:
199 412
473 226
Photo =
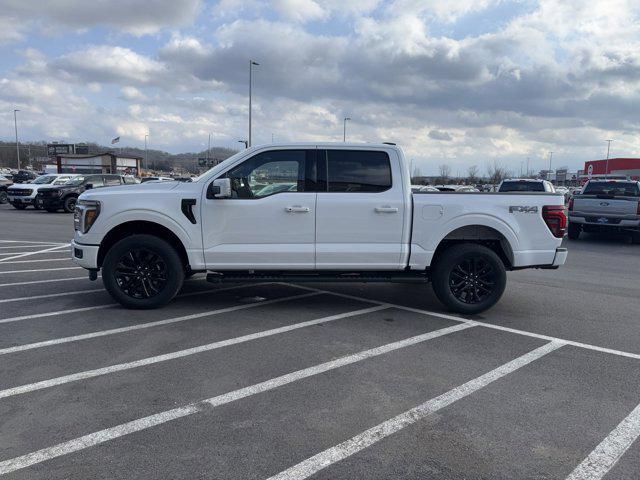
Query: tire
69 204
37 207
139 264
459 283
19 206
574 231
4 198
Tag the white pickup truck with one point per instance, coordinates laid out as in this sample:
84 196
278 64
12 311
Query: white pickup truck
314 212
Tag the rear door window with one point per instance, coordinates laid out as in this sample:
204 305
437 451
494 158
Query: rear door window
111 181
356 171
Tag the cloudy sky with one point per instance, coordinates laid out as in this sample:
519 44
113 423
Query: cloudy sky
462 82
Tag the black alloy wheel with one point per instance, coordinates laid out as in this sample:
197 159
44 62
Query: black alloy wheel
141 273
472 280
468 278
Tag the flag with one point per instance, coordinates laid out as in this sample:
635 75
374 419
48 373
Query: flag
115 140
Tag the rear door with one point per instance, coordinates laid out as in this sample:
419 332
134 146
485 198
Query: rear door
360 210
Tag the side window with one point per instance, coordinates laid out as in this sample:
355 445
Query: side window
111 181
96 181
269 173
357 171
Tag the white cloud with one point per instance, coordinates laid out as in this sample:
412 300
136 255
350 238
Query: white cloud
299 10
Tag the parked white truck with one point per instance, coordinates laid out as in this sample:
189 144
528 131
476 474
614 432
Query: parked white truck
314 212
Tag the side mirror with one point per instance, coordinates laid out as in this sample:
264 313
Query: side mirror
88 186
219 188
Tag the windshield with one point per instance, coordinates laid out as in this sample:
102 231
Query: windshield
614 189
44 179
61 180
75 181
522 187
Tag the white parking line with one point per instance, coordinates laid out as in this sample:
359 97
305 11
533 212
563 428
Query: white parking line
33 243
15 247
373 435
51 280
540 336
50 249
102 333
40 270
9 392
67 259
5 254
102 436
51 295
602 459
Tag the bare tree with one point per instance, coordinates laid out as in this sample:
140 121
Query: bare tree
445 171
496 172
472 174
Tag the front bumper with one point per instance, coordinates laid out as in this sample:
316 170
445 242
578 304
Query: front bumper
85 256
21 200
46 202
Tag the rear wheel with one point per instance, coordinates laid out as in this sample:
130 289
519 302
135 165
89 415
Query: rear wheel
4 198
142 271
574 231
70 204
468 278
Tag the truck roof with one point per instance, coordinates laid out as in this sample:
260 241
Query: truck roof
387 145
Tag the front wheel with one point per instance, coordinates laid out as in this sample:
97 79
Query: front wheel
4 198
70 204
143 272
468 278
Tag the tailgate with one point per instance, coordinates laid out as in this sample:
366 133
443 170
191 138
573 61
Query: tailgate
605 205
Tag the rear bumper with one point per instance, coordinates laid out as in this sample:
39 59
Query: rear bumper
606 221
560 258
85 256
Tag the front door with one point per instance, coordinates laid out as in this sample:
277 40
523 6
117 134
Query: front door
361 211
269 223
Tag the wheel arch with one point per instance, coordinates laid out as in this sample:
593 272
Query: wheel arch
136 227
481 234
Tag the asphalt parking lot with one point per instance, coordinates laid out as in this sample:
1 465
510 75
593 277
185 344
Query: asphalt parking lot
332 381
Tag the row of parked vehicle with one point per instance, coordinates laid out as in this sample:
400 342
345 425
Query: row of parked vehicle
54 192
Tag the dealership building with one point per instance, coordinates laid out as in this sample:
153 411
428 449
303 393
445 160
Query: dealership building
98 163
612 168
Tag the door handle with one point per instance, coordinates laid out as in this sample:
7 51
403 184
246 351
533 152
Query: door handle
297 209
386 209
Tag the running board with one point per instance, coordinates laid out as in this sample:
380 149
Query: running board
257 276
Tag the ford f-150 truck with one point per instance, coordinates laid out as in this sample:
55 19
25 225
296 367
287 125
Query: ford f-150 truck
606 205
313 212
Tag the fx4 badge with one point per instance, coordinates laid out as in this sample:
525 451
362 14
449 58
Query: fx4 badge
522 209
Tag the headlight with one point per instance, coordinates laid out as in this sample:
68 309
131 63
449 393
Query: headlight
85 215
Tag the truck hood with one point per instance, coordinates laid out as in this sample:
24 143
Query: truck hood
148 187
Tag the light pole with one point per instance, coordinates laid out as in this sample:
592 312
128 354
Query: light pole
550 157
15 124
606 170
344 129
527 166
146 158
245 142
251 64
209 148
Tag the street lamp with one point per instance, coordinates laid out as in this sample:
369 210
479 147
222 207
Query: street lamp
344 128
146 158
251 64
245 142
606 171
15 124
550 157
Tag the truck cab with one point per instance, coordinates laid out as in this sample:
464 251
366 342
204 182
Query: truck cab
313 212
